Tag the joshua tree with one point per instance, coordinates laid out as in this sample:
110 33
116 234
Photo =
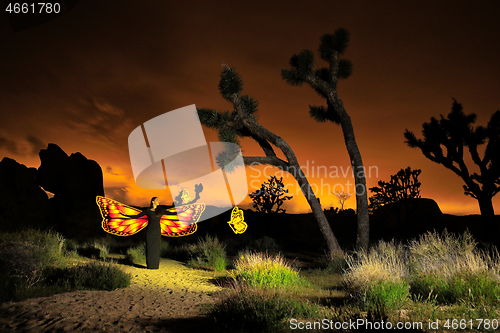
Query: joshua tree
403 186
397 193
271 193
456 133
343 197
241 122
324 82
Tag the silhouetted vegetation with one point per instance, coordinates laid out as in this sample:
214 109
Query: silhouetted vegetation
271 193
342 197
324 82
402 187
241 122
456 133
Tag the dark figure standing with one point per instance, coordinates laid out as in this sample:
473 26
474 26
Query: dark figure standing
153 232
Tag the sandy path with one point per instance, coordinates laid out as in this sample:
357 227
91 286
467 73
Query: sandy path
164 300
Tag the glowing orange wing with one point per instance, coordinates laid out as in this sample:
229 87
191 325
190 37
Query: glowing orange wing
183 220
115 223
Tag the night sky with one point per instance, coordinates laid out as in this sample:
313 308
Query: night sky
86 79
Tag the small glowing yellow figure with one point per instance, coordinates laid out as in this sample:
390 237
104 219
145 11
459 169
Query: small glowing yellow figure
237 222
185 198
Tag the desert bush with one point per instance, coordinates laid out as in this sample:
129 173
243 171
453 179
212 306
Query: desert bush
136 255
208 253
446 254
249 309
181 252
19 268
165 249
70 246
24 256
452 269
378 277
47 246
263 270
92 276
264 244
444 268
335 263
96 249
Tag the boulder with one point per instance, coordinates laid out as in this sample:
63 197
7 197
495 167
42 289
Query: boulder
402 220
75 182
22 202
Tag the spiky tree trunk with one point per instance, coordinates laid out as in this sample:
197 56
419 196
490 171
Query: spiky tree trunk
487 214
241 122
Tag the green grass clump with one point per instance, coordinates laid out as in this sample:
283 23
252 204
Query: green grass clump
263 270
208 253
378 278
250 309
92 276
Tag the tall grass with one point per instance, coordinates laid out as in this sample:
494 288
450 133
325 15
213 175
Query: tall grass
445 268
29 258
47 247
263 270
378 277
453 269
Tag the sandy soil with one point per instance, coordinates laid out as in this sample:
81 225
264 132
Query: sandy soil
164 300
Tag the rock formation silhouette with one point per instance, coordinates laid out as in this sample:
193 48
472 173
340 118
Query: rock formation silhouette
22 202
75 182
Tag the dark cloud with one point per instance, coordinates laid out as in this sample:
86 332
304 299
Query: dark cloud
8 145
100 121
117 193
109 170
36 144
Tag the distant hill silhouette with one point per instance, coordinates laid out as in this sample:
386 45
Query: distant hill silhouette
76 181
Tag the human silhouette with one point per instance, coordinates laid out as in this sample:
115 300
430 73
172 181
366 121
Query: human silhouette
153 232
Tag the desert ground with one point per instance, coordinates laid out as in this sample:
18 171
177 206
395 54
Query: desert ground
165 300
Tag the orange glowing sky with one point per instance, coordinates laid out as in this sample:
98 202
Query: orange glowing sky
86 79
